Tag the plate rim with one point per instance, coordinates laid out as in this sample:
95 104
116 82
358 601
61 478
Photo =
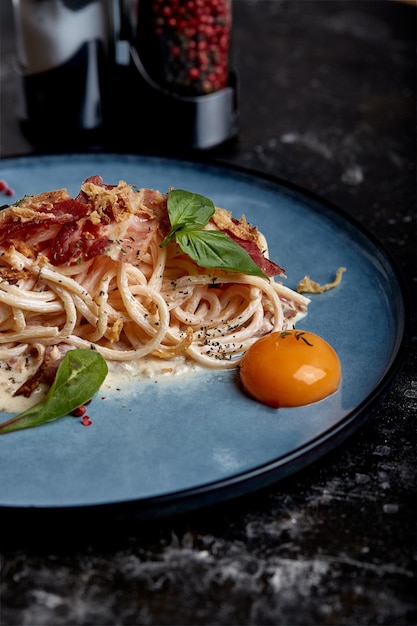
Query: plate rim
271 472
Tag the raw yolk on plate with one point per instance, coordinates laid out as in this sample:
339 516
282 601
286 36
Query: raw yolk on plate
290 368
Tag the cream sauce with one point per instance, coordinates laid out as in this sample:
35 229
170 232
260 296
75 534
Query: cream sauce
120 375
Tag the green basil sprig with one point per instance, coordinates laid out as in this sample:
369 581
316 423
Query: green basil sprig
79 376
189 213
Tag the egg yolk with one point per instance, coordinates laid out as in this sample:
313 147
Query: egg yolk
290 368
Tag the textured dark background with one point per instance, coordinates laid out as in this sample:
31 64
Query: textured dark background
327 101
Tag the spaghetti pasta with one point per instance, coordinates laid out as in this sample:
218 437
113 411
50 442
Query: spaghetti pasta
89 272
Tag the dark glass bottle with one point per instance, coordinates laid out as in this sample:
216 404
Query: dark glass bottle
63 50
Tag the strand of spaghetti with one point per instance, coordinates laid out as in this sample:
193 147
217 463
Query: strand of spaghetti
103 310
234 301
231 309
15 259
214 352
92 274
177 291
70 311
86 308
136 274
4 313
31 333
208 361
161 321
196 307
234 344
215 305
9 350
28 300
185 282
286 292
48 273
78 269
110 354
267 288
19 319
224 323
175 337
107 314
127 285
150 323
176 267
237 336
159 256
88 279
82 299
203 308
8 325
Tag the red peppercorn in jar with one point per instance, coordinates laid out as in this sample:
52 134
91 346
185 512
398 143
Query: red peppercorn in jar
184 44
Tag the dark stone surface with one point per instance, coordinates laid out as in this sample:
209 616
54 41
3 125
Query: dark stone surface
327 101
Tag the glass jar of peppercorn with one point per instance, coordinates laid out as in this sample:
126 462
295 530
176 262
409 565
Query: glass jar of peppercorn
184 44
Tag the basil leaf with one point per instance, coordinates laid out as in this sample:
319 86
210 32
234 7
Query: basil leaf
187 211
214 249
79 376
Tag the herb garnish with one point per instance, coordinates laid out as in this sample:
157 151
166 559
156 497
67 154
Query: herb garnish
16 203
189 213
298 334
79 376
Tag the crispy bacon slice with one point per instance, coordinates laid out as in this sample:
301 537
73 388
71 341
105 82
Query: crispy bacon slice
28 387
76 243
111 220
45 372
61 212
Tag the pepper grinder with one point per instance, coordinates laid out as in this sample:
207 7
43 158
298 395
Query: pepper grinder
133 75
179 91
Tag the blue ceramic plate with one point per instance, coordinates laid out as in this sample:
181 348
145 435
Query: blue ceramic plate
170 445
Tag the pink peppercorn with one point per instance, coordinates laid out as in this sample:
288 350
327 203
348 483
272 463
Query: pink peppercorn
176 30
79 411
4 188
